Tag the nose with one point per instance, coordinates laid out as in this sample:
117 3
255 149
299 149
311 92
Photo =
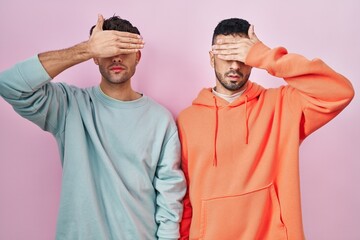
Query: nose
117 59
236 65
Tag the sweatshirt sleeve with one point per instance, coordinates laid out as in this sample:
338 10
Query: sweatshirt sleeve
318 90
26 86
170 185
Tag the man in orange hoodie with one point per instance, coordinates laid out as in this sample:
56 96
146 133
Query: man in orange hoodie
240 141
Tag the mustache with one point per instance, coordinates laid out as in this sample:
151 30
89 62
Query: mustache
234 72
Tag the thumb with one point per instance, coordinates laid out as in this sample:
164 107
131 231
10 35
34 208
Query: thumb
252 34
99 24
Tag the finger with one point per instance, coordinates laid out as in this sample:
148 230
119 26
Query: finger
126 34
251 31
233 57
227 46
128 37
226 52
123 45
230 43
128 51
226 40
252 34
99 24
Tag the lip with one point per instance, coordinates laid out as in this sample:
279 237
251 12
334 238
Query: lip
233 76
117 68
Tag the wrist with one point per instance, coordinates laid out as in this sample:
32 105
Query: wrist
82 51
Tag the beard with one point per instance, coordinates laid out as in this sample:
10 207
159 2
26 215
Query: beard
120 78
232 85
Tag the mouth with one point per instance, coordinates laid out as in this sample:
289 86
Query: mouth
233 77
117 68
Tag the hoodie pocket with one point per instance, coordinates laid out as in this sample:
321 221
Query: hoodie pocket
251 215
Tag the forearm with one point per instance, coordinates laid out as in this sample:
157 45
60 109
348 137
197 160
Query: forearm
311 77
54 62
101 44
319 91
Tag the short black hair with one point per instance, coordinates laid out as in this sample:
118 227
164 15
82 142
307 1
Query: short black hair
231 26
119 24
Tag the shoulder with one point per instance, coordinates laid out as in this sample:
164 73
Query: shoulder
72 93
191 116
161 117
158 109
75 89
186 112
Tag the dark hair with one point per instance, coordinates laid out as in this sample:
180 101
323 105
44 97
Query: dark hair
231 26
119 24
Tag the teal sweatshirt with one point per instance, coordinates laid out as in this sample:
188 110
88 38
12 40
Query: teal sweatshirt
120 159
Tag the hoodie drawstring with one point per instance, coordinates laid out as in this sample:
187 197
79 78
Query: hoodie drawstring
246 121
217 125
216 132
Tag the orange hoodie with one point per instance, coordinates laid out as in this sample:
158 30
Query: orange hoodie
241 159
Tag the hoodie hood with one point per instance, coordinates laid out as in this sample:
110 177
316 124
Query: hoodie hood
208 99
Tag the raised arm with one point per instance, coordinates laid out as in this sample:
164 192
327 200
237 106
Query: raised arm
318 91
25 85
101 44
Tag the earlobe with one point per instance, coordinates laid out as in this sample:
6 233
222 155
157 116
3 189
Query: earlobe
96 61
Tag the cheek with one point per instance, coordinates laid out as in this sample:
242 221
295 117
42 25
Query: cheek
221 69
103 61
130 62
129 57
248 70
220 65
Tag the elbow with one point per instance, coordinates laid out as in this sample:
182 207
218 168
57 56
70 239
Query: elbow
345 90
349 93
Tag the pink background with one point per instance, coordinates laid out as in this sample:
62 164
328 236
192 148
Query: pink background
174 67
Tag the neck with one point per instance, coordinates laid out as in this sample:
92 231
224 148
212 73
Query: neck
119 91
220 89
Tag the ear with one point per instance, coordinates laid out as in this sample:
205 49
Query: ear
96 61
138 56
212 59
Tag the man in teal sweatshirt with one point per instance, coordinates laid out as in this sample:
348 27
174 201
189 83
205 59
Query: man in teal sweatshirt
119 149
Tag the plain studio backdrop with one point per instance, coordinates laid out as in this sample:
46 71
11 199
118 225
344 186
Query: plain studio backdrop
174 67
